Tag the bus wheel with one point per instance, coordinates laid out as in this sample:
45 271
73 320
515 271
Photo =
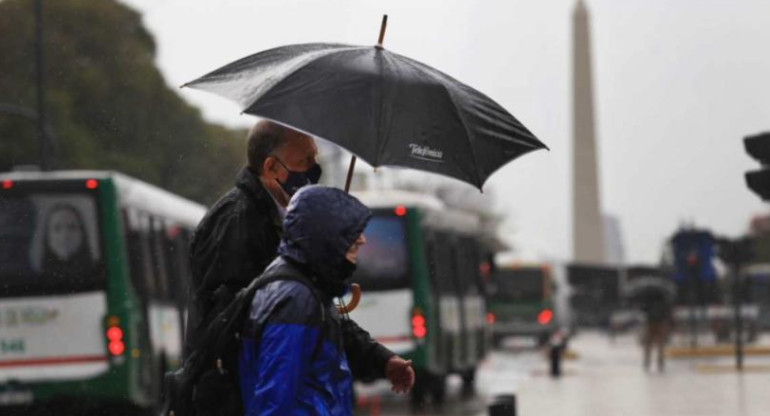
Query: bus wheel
438 389
419 389
543 339
469 382
497 341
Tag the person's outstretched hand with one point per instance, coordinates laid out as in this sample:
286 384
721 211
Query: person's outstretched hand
400 373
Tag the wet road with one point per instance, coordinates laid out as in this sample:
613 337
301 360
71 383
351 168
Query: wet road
503 372
606 379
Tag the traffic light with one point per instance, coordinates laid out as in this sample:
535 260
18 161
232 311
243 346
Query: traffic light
739 251
694 253
758 147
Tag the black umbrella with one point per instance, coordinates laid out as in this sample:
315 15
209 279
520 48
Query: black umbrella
648 289
383 107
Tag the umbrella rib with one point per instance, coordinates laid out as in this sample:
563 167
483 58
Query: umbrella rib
479 182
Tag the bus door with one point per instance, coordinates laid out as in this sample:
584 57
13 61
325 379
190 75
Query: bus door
474 308
152 271
448 295
53 286
384 275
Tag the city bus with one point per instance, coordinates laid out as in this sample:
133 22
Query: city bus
521 303
422 294
94 278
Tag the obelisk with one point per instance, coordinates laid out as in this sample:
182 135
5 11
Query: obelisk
587 224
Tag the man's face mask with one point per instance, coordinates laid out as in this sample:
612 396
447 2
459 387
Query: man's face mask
297 180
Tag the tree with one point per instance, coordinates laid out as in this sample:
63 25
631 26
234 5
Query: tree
107 102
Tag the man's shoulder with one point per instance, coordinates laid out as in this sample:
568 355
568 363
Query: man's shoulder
235 204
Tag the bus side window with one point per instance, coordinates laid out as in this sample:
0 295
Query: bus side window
158 258
467 258
185 238
430 256
177 268
445 264
140 268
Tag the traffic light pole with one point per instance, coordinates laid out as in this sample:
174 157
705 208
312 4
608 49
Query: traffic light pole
692 262
736 253
45 145
737 292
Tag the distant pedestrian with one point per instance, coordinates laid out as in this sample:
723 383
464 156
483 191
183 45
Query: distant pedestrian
657 312
292 360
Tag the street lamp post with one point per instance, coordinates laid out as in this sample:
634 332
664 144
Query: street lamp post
45 145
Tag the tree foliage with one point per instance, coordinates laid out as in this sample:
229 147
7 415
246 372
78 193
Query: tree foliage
106 101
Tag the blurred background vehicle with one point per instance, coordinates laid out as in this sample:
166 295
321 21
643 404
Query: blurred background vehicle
94 272
521 302
422 287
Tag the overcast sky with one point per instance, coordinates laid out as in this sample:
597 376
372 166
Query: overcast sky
677 85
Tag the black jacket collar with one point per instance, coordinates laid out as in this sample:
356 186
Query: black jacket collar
249 183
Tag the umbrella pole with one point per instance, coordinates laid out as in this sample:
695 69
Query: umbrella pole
382 30
350 173
345 309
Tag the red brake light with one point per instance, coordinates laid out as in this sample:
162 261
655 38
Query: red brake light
544 317
485 268
7 184
115 336
92 184
490 318
420 332
400 210
173 232
116 347
418 325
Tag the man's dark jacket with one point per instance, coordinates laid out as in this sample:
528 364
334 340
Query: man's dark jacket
236 240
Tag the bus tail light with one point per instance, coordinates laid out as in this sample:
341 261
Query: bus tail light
92 184
7 184
544 317
115 340
490 318
400 210
419 330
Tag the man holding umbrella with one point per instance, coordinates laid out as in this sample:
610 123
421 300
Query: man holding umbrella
385 108
240 234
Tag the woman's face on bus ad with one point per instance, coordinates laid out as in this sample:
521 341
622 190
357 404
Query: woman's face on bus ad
65 233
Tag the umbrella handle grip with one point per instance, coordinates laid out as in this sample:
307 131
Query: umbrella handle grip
356 290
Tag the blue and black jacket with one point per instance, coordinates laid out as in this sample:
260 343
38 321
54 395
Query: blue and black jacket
293 358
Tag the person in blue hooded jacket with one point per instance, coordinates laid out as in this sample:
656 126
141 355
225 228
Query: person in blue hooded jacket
292 359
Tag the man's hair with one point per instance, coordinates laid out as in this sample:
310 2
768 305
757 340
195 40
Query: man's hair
262 140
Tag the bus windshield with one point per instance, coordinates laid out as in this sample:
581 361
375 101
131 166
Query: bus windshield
49 244
523 284
383 262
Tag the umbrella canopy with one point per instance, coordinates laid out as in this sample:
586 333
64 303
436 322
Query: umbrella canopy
383 107
648 289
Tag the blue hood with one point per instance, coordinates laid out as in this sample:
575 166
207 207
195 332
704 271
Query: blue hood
320 225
